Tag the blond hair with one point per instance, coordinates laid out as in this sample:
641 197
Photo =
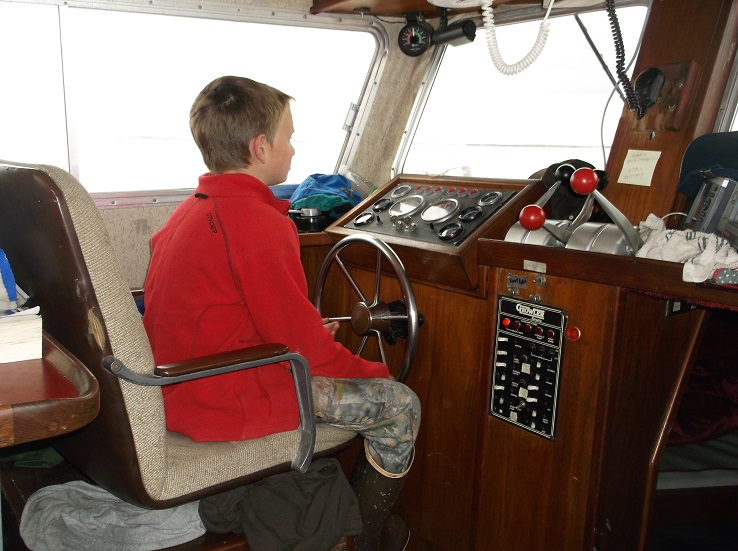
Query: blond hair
228 113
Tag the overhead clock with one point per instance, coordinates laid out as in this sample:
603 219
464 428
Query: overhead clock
415 38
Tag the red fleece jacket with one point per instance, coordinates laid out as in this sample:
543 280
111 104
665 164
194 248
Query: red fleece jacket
225 273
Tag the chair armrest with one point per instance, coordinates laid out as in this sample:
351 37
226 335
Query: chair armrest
205 363
236 360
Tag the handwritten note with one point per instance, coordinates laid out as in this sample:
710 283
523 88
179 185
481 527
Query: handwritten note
638 167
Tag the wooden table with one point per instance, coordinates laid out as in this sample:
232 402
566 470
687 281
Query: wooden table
45 397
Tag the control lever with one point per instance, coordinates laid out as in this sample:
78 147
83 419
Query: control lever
621 237
586 181
534 228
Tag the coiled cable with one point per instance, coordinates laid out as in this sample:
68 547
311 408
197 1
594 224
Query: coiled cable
494 52
633 103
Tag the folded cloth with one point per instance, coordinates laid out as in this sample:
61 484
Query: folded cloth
7 284
326 184
725 277
78 515
701 253
288 511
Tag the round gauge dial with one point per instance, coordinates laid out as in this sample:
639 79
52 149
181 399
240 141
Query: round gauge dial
415 38
440 211
400 191
382 204
450 231
363 219
470 213
489 198
407 206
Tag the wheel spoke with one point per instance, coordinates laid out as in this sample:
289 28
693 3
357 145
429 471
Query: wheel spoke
363 343
388 317
377 277
350 279
381 348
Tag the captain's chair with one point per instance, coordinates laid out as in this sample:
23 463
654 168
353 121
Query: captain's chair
61 255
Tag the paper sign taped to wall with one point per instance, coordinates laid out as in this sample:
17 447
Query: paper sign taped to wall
638 167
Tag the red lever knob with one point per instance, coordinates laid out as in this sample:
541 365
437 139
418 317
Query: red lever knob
584 181
532 217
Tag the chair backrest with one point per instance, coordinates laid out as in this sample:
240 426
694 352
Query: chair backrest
61 255
704 152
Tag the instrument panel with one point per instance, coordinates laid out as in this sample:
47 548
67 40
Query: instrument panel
430 213
527 364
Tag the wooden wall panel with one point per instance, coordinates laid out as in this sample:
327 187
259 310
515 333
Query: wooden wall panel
712 30
532 493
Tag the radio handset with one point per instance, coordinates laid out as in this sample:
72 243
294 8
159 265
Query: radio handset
648 87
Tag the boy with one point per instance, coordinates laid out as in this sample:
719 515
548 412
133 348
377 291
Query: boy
225 273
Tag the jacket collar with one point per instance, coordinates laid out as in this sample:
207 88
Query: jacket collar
239 185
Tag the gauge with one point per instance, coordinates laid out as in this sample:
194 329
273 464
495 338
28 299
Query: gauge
440 211
470 213
489 198
407 206
363 219
415 38
450 231
400 191
382 204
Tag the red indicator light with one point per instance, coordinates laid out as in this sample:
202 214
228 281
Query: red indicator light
573 333
506 321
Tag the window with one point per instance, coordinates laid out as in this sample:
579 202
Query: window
32 93
478 122
129 80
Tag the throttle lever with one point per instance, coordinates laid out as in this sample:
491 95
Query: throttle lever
532 217
586 181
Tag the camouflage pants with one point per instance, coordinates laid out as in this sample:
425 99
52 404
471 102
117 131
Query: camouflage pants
386 413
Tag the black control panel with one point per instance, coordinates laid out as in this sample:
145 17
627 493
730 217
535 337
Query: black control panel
526 364
431 213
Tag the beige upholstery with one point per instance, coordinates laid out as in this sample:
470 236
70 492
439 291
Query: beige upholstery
172 467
